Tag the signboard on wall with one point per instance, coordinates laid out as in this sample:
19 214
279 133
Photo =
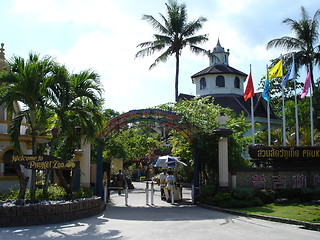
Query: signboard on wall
287 157
116 165
38 162
263 152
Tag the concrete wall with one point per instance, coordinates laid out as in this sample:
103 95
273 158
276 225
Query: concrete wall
50 213
275 179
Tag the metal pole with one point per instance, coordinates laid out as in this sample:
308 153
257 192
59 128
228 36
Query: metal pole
192 194
252 121
99 168
105 191
283 120
152 191
126 195
296 112
147 193
172 195
311 116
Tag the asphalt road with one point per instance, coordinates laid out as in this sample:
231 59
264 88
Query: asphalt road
160 221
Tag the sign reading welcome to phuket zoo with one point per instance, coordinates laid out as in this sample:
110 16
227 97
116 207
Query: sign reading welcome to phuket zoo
39 162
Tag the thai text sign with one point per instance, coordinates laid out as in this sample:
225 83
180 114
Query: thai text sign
262 152
40 162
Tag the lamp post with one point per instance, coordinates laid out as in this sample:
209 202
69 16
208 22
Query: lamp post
78 154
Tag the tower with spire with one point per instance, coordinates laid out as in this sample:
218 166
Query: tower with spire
219 55
219 77
225 85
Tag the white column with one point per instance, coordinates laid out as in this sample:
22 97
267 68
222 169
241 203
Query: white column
223 163
85 163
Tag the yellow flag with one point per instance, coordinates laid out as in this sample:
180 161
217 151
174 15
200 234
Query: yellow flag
276 70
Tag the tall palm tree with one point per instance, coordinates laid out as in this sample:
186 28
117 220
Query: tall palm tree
304 43
305 47
174 35
26 82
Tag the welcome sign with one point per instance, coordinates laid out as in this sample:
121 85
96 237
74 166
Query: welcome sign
38 162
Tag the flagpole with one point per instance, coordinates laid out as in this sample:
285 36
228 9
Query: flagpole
283 115
311 116
252 121
268 116
296 113
252 116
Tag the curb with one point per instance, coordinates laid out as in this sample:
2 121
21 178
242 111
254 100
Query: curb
307 225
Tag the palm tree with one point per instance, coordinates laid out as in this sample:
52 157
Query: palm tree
174 35
303 44
76 101
26 82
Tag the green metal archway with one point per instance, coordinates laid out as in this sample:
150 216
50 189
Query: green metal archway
162 117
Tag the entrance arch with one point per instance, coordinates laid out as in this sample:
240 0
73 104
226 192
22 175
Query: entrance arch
162 117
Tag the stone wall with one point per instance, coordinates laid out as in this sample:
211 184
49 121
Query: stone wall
50 213
275 179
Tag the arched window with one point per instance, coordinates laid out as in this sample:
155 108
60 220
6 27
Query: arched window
220 81
203 83
236 82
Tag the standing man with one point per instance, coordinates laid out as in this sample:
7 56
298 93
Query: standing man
119 181
163 177
170 185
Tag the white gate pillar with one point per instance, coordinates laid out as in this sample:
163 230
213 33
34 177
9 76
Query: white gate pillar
223 152
223 163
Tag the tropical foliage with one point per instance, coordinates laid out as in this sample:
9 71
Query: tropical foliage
202 114
52 99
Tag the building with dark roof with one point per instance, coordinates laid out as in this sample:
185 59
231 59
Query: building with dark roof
226 85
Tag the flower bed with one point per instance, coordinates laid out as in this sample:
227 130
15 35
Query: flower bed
12 215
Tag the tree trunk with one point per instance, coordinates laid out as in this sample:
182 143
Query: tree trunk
23 180
177 78
64 183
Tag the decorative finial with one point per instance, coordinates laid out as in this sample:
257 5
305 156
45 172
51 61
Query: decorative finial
3 62
2 49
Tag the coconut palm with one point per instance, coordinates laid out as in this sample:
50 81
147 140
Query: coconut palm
26 82
175 34
304 43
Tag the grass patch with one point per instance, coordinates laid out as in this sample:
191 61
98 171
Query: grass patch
300 211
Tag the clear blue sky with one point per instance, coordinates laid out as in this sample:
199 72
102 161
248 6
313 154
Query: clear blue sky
103 34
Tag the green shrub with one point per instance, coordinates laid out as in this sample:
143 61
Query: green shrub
208 190
243 193
266 196
221 197
234 203
84 192
289 193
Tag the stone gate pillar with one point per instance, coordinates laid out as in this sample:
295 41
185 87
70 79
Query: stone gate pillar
223 134
223 163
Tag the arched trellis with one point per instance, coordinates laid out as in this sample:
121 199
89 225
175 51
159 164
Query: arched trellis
166 118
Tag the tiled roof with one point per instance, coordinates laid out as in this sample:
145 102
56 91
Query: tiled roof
238 105
219 69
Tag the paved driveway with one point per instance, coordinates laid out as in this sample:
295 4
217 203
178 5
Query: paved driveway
160 221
